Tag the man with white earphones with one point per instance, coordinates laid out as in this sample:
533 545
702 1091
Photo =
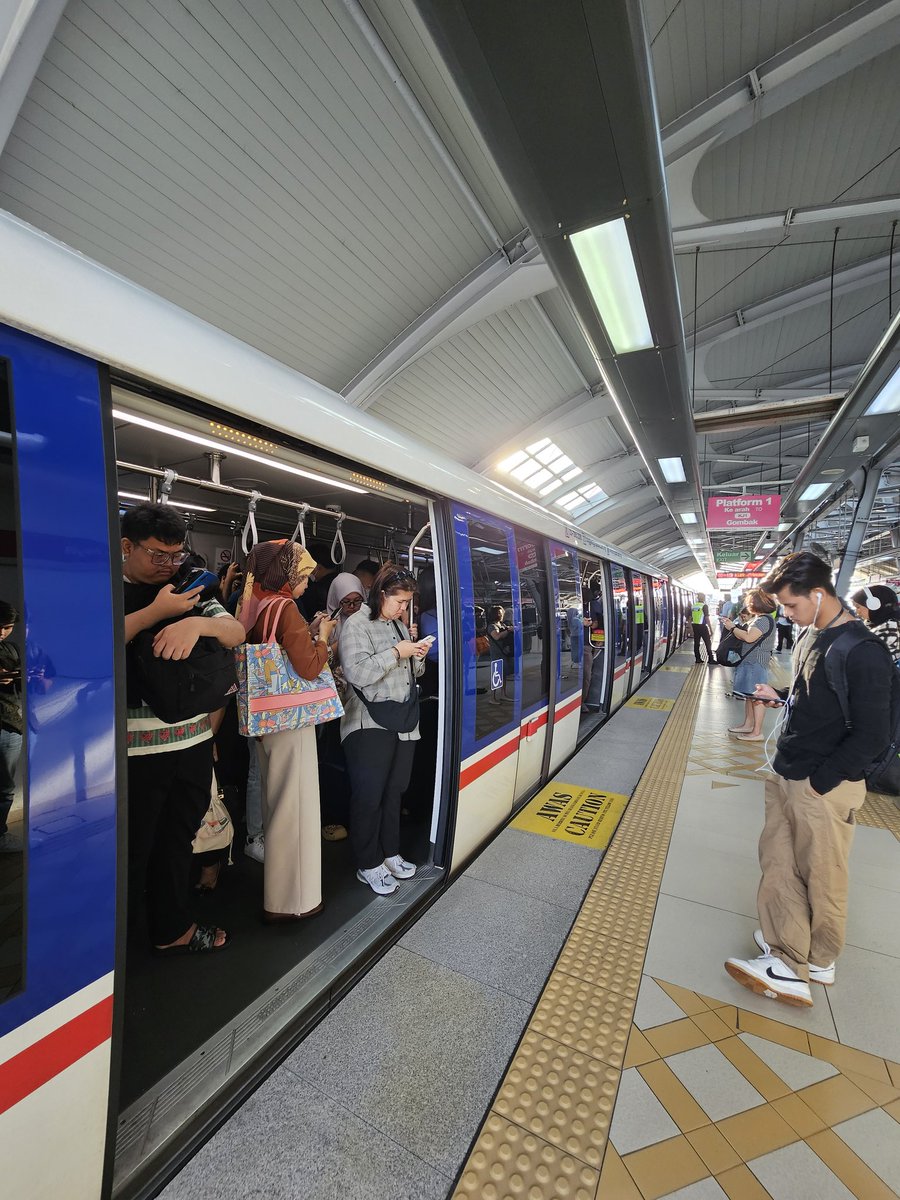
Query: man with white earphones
819 783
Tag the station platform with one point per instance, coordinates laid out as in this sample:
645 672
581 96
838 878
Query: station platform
559 1023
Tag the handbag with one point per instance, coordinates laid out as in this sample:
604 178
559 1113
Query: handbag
731 650
272 697
216 831
398 716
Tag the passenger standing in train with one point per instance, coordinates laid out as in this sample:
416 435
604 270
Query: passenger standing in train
365 572
345 597
169 766
817 787
381 664
315 598
10 720
288 765
700 629
879 607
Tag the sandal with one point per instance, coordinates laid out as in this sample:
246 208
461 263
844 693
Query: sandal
749 737
203 889
203 941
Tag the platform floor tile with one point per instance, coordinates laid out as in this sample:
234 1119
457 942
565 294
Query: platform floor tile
531 865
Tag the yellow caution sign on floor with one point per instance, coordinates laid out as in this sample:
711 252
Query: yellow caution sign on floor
584 816
654 703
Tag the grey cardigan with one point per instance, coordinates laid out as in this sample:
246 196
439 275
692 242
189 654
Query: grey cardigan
369 663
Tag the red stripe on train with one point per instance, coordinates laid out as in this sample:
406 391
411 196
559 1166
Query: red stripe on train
568 708
25 1072
469 774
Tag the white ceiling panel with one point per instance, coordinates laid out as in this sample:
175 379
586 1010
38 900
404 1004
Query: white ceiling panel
249 161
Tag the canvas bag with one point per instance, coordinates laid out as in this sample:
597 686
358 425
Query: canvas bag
216 831
272 697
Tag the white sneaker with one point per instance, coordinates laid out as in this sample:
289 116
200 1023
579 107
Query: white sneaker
768 976
823 975
255 848
379 879
399 867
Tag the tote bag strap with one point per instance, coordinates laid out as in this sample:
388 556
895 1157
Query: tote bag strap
271 613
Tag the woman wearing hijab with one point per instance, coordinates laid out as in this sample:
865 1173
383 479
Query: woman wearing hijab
879 607
292 887
345 597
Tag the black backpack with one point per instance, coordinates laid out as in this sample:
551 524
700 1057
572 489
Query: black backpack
176 690
884 773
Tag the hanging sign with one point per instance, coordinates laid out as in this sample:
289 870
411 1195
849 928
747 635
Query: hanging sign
743 512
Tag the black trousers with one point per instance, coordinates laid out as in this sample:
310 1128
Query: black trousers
785 637
168 794
702 631
379 766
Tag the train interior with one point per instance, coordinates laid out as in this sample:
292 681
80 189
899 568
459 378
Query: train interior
176 1018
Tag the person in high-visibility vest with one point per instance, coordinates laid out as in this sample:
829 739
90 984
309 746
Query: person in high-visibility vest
700 629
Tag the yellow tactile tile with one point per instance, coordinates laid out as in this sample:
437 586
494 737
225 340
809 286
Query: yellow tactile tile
716 1152
880 812
615 1182
587 1018
611 964
836 1099
851 1170
665 1167
676 1036
688 1002
713 1026
741 1184
798 1115
509 1163
754 1070
561 1095
757 1131
847 1058
673 1096
638 1050
773 1031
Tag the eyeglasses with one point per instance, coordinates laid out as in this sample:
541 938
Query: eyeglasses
161 558
351 603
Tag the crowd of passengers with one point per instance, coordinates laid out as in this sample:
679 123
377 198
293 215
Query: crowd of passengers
356 622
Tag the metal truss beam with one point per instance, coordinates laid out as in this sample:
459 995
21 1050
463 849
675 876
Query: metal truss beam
26 27
738 229
858 529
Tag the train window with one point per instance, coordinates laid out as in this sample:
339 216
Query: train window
594 676
12 728
495 635
533 596
569 616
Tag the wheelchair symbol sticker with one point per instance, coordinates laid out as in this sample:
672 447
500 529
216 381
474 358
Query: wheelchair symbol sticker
496 674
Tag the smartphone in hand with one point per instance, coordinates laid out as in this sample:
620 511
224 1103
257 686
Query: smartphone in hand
427 641
196 577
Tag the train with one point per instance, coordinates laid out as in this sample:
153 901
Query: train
113 1067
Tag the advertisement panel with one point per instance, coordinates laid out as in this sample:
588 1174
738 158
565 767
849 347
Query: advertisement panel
743 512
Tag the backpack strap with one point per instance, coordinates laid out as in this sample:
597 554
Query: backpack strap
849 636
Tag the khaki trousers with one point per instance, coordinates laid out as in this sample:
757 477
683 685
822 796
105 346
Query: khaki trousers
289 773
804 852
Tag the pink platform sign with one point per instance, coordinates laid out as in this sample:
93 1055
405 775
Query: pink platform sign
743 512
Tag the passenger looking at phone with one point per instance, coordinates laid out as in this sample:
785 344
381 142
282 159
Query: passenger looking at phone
818 786
380 724
288 764
169 763
756 648
10 721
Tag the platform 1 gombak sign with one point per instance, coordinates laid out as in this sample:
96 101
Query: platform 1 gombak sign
743 512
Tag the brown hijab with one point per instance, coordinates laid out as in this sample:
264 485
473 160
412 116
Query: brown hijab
273 569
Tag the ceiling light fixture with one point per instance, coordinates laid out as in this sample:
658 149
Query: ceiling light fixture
689 518
197 440
607 262
888 398
673 470
174 503
814 491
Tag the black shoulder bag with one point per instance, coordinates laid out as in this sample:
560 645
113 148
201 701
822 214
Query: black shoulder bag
398 716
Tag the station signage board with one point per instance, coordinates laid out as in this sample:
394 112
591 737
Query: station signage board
743 512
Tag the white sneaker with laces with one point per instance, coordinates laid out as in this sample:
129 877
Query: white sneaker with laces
768 976
379 879
255 848
399 867
823 975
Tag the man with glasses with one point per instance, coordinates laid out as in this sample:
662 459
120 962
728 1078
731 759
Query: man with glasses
169 766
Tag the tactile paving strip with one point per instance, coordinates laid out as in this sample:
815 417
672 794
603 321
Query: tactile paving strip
880 812
546 1133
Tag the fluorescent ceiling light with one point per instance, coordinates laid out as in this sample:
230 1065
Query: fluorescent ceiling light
607 263
814 491
673 470
888 399
174 503
228 448
689 518
489 550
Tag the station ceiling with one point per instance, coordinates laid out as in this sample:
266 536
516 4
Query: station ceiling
324 180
